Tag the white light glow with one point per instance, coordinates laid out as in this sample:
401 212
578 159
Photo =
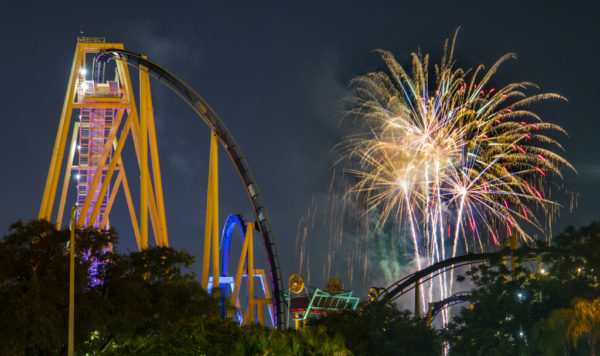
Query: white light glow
83 71
404 184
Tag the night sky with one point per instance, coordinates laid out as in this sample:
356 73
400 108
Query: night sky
277 74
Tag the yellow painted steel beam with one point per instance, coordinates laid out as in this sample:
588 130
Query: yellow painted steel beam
160 204
101 100
429 317
250 270
238 277
135 128
117 105
260 313
111 199
143 138
296 321
151 196
61 137
128 96
211 226
154 217
260 309
82 63
133 110
249 315
125 80
268 300
146 120
245 317
214 150
161 239
120 176
126 190
94 47
207 233
84 166
131 207
63 197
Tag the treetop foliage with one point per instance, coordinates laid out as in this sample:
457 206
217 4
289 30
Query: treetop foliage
530 311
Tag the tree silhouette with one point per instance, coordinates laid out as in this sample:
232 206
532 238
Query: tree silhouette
585 322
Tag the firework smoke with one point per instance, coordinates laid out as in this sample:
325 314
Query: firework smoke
459 164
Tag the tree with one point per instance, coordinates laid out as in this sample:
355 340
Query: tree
585 322
34 277
376 329
141 293
208 336
147 302
549 336
513 309
145 294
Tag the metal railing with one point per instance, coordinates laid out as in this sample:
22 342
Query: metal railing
83 39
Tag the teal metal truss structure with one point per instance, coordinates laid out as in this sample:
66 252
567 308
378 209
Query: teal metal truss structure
315 301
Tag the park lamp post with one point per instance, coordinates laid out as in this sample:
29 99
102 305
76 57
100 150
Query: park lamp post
71 342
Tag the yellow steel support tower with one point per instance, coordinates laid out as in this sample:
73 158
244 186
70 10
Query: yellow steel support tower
106 115
101 144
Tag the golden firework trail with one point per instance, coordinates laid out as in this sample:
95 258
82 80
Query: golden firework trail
455 160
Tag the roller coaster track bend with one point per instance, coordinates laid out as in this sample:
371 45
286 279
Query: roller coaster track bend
406 284
210 118
457 298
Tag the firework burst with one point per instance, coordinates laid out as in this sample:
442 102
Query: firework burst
453 159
